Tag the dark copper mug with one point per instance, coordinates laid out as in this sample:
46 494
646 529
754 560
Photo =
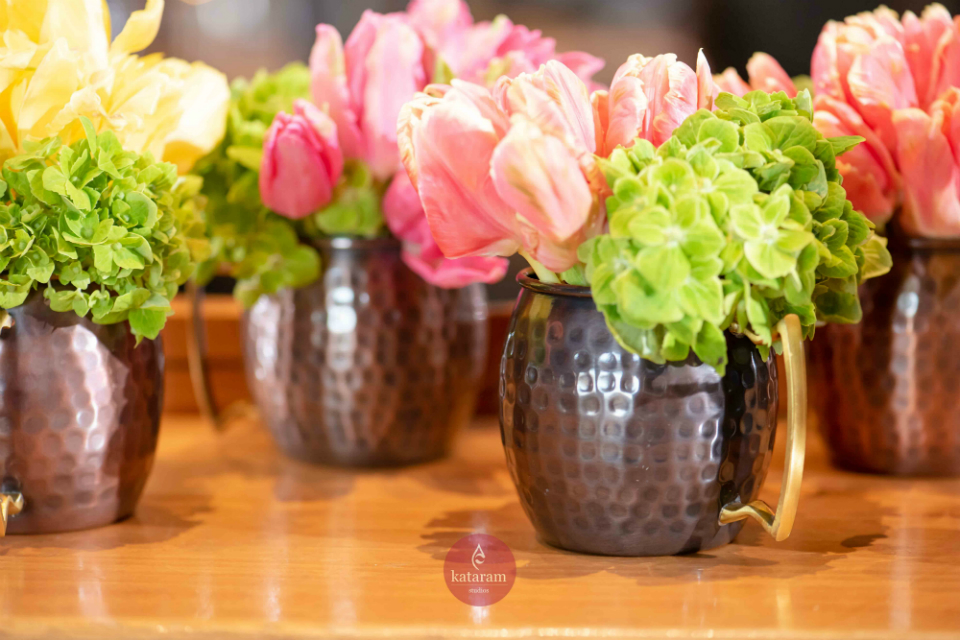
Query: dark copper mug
887 391
368 366
80 411
612 454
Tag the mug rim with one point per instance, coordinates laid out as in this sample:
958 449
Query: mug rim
528 280
353 242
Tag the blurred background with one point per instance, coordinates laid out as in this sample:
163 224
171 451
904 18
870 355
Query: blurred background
241 36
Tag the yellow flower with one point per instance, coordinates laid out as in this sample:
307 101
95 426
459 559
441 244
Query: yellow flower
57 63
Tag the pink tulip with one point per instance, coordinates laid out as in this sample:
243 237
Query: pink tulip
487 51
765 74
891 80
365 83
863 62
870 175
928 151
302 162
330 91
491 184
650 97
439 21
557 101
405 217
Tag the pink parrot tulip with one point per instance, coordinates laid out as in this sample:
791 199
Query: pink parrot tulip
485 51
498 175
406 220
891 80
363 83
765 74
382 68
649 98
301 163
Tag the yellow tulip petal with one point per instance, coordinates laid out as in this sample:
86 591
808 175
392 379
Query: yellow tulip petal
80 23
23 15
140 30
204 105
53 84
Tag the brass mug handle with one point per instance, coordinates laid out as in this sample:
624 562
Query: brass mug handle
10 505
200 372
779 524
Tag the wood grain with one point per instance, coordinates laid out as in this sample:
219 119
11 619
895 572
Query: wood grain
233 541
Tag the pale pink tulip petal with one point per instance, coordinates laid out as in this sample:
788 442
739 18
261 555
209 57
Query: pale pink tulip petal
356 50
869 166
731 82
823 63
946 63
479 98
880 83
439 21
556 100
931 206
921 37
394 74
407 123
948 108
627 116
402 209
600 100
766 74
330 91
706 90
584 65
431 265
454 147
470 55
673 97
407 221
540 179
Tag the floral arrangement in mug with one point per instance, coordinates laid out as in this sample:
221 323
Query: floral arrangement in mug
88 214
684 222
314 153
894 81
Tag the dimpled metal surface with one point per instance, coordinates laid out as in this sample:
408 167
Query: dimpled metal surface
612 454
887 391
80 411
369 366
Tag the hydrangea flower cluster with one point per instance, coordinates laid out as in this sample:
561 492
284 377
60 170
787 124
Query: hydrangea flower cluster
738 220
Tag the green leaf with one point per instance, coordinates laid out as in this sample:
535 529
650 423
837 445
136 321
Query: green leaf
664 267
147 323
711 347
842 144
724 132
791 131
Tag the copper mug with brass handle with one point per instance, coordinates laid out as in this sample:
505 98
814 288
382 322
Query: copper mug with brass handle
613 454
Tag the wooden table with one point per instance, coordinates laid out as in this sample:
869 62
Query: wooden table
233 541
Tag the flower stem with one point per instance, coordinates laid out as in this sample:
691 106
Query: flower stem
542 272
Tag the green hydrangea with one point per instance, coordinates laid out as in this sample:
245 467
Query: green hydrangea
103 231
737 221
266 252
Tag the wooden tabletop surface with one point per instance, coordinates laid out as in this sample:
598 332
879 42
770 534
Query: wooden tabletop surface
233 541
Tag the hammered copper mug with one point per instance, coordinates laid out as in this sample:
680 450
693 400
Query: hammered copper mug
80 411
887 390
612 454
370 365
